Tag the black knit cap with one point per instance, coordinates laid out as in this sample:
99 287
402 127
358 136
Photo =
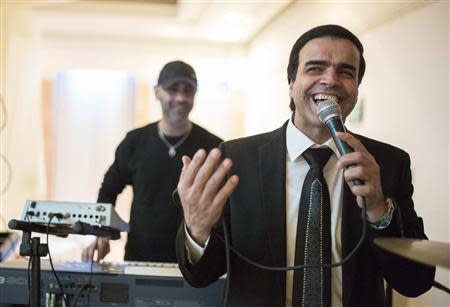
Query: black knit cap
321 31
177 71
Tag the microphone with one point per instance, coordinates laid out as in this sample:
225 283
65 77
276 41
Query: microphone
26 226
57 230
82 228
329 113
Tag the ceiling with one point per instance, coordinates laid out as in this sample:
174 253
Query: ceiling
223 21
232 21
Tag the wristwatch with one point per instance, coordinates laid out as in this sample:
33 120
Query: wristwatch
386 219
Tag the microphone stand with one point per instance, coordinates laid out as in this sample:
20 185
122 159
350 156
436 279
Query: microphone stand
33 248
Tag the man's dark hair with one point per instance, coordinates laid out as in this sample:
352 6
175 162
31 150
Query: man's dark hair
321 31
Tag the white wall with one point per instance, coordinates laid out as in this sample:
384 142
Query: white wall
407 97
405 92
22 137
215 65
407 102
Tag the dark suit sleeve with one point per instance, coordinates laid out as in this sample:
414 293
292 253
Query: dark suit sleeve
209 267
407 277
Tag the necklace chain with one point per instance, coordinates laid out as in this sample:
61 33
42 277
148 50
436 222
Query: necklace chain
172 148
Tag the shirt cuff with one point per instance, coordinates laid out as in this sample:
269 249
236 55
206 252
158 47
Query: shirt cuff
193 249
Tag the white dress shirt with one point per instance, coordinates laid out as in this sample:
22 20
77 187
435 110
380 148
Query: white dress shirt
296 170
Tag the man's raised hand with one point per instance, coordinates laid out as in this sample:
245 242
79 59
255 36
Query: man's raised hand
201 192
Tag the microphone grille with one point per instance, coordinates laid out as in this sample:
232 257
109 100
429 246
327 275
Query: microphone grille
328 109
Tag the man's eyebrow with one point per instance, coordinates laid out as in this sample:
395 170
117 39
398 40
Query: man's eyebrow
327 63
317 62
347 66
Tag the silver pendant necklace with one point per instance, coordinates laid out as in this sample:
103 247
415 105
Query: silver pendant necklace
172 148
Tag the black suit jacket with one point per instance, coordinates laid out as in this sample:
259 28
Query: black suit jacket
256 220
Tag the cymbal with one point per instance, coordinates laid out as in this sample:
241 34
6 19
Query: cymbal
423 251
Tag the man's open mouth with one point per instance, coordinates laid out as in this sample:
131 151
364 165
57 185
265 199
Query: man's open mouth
322 97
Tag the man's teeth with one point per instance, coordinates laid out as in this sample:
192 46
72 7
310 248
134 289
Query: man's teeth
321 97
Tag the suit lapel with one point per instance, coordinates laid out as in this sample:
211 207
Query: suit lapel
272 163
350 234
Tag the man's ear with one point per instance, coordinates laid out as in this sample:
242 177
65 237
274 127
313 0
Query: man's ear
157 89
291 87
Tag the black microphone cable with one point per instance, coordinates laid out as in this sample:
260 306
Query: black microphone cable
91 273
64 298
441 287
30 259
89 284
176 200
229 247
296 267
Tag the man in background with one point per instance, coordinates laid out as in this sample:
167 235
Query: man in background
149 159
275 190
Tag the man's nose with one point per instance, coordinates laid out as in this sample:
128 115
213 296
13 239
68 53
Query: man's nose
180 96
330 77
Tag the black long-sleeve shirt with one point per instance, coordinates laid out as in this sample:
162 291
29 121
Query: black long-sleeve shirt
142 161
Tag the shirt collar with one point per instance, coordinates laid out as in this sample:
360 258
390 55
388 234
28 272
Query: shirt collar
297 142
